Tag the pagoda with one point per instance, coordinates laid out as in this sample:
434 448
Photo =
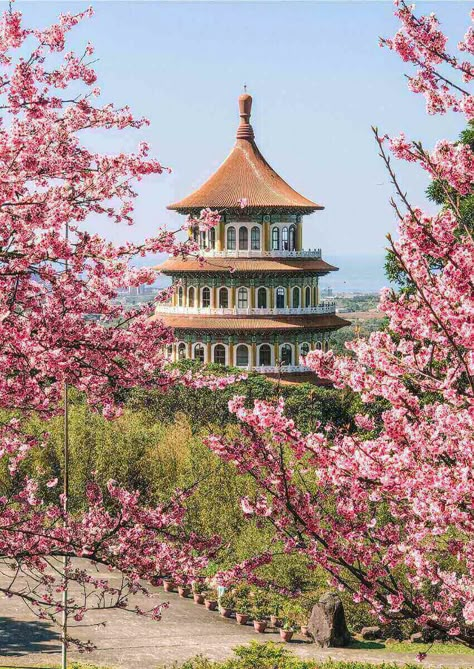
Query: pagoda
253 302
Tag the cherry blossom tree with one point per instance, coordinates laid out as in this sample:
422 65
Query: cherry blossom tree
60 326
386 506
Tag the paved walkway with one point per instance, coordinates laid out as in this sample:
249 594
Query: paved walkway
186 630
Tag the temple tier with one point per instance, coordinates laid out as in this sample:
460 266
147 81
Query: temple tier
254 301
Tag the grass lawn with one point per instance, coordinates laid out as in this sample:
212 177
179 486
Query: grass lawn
407 647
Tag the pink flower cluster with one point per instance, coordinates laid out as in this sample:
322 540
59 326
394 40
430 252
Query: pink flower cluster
59 323
421 42
385 506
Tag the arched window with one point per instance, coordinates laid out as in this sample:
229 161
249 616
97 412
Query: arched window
265 355
318 346
296 297
219 354
304 349
255 238
284 239
212 238
243 239
191 297
180 296
262 298
206 297
196 234
199 352
203 239
307 297
326 346
286 355
242 298
223 298
231 239
292 238
242 355
280 298
181 351
275 239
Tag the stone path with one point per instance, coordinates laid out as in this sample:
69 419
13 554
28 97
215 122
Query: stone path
186 630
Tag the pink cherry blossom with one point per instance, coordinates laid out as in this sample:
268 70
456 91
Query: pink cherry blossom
385 506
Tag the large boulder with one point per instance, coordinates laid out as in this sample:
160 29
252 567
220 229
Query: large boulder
327 624
371 633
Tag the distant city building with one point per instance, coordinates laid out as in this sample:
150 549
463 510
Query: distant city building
254 302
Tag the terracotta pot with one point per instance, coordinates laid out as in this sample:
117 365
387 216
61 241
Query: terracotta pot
242 618
286 635
304 630
198 598
225 613
260 626
168 586
183 590
275 621
211 605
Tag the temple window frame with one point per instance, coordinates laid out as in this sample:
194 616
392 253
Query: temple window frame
241 304
231 238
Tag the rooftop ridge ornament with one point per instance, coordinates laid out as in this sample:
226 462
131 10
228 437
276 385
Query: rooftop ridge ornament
245 130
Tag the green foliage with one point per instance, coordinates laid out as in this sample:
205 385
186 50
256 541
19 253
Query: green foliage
358 328
365 302
271 655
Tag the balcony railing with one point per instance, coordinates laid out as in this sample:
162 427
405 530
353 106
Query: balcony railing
322 308
309 253
284 369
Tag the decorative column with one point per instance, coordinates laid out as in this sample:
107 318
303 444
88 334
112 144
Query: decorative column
288 296
208 352
230 362
266 236
276 353
253 363
220 236
232 297
299 236
189 352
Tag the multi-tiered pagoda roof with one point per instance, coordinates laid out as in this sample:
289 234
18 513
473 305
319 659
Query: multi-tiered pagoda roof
256 287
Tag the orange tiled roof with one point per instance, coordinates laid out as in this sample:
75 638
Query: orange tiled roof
237 323
191 264
245 174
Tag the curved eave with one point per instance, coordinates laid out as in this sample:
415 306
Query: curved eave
245 174
237 210
250 265
245 324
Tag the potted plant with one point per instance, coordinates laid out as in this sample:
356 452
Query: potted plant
287 630
168 585
227 604
184 590
210 599
242 603
260 617
276 602
199 589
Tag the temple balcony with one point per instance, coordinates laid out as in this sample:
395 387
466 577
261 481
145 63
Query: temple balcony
322 308
245 253
277 369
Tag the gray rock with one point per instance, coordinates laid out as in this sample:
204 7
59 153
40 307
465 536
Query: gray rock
371 633
327 624
417 637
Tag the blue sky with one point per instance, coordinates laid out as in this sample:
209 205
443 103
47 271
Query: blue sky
319 81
